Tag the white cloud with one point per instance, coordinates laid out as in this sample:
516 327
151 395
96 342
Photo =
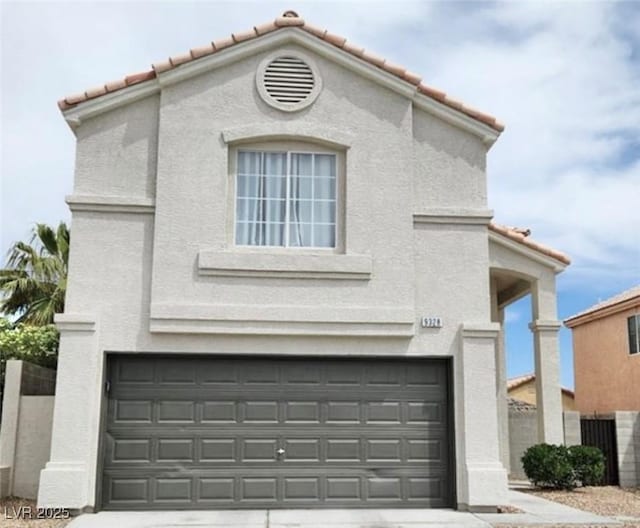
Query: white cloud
563 76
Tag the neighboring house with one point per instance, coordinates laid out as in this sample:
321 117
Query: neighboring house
522 389
606 354
285 290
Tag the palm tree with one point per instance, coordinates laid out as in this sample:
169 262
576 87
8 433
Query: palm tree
34 281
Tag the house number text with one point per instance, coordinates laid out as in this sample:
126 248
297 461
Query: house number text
432 322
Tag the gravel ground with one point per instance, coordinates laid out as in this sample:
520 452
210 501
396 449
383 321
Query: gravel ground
15 513
610 501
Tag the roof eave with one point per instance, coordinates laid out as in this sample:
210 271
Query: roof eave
605 311
286 35
558 266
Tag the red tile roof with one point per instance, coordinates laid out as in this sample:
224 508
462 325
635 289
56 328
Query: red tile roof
521 236
514 383
288 19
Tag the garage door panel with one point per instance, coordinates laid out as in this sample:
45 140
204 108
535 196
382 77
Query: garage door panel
202 432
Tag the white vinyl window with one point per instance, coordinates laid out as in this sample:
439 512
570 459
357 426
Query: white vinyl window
285 199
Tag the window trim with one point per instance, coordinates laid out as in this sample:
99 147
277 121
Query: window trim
636 318
288 147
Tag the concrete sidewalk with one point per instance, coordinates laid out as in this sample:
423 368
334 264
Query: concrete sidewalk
537 511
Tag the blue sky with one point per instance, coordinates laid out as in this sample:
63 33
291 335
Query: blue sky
564 77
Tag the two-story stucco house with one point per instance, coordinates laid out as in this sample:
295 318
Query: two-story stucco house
285 289
606 354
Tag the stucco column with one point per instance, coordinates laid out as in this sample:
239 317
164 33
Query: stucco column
484 484
64 482
497 316
545 327
501 394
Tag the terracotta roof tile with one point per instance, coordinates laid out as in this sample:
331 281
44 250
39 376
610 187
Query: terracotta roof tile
223 43
336 40
265 28
395 69
177 60
136 78
351 48
244 35
513 383
624 296
202 51
374 59
95 92
412 78
315 30
116 85
288 19
520 235
163 66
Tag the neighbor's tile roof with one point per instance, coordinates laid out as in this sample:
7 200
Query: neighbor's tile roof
514 383
616 299
288 19
521 236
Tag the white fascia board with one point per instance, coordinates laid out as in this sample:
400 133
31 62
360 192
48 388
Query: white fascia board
527 252
104 103
456 118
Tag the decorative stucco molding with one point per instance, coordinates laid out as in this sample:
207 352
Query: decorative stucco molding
297 130
479 330
540 325
71 322
453 215
110 204
282 320
254 264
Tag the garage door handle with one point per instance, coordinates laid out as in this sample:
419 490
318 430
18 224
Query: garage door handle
280 452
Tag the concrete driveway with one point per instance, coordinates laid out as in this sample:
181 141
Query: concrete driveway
536 511
382 518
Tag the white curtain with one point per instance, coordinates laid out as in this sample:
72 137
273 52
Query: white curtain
261 200
263 216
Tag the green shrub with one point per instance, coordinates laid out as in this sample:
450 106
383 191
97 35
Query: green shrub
588 464
549 466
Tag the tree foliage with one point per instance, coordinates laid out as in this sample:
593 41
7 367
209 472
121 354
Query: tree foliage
34 280
36 344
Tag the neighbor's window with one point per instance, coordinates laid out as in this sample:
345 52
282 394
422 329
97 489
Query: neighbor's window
633 324
286 199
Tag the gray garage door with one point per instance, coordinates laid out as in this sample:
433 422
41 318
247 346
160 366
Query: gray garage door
195 432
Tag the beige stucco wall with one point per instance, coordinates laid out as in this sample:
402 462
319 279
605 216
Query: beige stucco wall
33 444
25 435
145 267
527 393
607 377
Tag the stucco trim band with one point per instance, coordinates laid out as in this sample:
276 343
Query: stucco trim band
540 325
332 266
69 322
294 130
110 204
282 320
453 216
479 330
